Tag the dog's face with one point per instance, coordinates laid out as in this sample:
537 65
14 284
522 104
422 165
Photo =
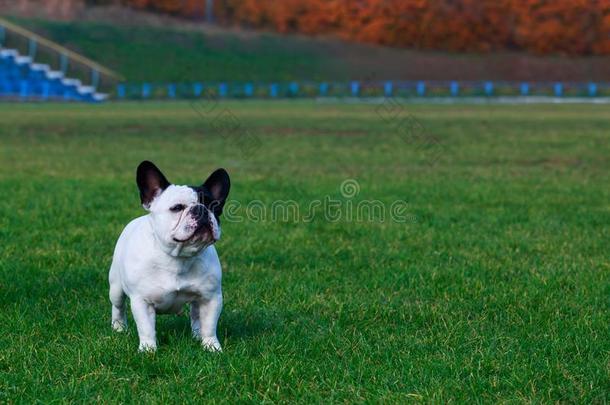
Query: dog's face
185 219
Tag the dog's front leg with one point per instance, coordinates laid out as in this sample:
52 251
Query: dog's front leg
144 316
207 319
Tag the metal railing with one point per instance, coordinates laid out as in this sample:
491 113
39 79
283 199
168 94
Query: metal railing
58 57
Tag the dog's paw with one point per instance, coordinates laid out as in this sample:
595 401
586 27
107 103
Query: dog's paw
119 326
211 344
147 347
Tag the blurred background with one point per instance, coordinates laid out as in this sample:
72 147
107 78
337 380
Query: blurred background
262 48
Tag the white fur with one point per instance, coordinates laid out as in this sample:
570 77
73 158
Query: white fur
160 275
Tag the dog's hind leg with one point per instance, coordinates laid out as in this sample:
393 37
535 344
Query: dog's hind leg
117 298
195 321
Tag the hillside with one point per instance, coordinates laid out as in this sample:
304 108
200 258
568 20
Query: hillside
149 48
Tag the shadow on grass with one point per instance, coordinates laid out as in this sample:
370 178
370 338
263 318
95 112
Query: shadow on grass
234 324
244 325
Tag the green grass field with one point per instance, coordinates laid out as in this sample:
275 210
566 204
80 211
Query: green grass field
496 289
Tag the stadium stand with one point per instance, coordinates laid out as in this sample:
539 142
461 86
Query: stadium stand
22 78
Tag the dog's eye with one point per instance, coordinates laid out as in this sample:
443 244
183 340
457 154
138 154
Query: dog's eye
177 208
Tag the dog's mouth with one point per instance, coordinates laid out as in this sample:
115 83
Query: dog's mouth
202 232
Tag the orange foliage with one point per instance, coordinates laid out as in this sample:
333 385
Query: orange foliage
542 26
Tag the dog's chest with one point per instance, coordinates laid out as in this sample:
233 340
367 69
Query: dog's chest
172 291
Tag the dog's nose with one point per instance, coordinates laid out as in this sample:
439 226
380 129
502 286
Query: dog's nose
198 212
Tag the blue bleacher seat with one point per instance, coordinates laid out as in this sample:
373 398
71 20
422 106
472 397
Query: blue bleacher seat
21 78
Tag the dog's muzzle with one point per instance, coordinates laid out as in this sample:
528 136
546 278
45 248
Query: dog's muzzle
202 217
198 224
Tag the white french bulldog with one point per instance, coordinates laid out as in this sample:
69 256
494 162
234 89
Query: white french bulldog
166 259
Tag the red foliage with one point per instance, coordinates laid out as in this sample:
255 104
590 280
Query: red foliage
542 26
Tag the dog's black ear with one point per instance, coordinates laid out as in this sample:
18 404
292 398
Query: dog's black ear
216 190
151 182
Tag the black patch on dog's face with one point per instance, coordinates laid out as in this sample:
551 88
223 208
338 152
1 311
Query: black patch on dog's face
214 191
200 213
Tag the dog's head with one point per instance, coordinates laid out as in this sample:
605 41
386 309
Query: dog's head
185 219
